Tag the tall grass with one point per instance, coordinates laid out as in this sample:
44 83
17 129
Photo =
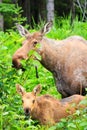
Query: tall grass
11 112
63 29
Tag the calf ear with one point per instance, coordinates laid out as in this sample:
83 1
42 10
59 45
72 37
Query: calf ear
47 27
20 89
37 89
23 32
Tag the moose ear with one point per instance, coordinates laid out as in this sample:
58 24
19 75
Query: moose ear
37 89
47 27
22 30
20 89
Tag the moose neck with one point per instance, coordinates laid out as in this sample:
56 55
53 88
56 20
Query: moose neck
50 54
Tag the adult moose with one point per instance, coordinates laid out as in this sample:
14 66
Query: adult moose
66 59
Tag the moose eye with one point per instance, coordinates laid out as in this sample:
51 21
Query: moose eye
33 101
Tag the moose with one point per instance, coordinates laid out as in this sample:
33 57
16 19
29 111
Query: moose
47 109
66 59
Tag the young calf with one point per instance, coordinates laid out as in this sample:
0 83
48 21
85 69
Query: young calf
46 108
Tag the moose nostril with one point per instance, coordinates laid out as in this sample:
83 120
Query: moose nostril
27 112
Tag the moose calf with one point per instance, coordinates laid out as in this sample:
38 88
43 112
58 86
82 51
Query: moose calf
46 109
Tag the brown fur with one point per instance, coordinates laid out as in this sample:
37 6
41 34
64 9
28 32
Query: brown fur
66 59
46 109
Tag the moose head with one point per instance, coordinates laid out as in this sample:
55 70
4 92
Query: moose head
29 43
28 98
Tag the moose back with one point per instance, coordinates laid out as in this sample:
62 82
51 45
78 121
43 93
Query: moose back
66 59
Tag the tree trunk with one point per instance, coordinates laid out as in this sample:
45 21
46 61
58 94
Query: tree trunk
33 10
25 4
42 10
1 20
72 12
50 10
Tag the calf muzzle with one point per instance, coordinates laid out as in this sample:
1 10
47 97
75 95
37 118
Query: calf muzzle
27 112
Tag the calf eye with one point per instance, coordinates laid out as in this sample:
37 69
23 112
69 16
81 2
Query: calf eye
33 101
35 43
22 101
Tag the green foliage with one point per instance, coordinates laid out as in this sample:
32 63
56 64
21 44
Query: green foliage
11 112
63 29
10 10
12 13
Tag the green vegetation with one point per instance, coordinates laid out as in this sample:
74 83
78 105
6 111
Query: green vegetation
11 112
12 14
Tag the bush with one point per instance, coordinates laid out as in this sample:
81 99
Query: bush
12 14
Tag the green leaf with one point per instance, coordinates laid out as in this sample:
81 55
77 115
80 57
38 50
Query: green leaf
71 125
37 56
83 123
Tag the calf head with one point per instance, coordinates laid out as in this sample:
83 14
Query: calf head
28 98
29 44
